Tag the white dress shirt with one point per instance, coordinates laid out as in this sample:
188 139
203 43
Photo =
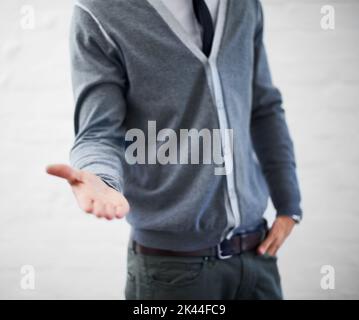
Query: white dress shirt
183 11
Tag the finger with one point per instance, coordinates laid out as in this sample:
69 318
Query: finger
124 206
262 249
119 212
110 211
99 209
86 205
64 171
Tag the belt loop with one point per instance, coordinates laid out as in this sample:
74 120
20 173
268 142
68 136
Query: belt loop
241 247
134 246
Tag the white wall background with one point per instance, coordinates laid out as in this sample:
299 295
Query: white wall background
77 256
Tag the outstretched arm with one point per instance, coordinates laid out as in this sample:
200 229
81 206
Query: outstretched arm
99 85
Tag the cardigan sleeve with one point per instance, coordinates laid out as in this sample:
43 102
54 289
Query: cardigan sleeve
270 134
99 84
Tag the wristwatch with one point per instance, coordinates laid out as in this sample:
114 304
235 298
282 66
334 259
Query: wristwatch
296 218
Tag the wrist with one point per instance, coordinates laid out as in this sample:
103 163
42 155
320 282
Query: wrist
297 218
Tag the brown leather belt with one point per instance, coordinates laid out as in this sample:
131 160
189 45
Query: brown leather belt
236 245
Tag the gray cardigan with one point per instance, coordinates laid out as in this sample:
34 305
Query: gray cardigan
133 63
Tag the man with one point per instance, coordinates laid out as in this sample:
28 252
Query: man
194 65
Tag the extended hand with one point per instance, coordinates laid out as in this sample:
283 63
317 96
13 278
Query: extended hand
280 230
92 194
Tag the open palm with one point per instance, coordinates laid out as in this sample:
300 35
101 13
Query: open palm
92 194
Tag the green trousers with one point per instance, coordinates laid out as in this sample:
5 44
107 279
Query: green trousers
245 276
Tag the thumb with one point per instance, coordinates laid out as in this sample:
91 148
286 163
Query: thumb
64 171
262 249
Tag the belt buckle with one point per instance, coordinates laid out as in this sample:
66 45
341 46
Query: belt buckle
220 255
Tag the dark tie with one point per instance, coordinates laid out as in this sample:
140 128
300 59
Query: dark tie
204 18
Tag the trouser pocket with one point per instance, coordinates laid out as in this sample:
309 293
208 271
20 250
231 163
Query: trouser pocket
176 278
175 273
161 277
